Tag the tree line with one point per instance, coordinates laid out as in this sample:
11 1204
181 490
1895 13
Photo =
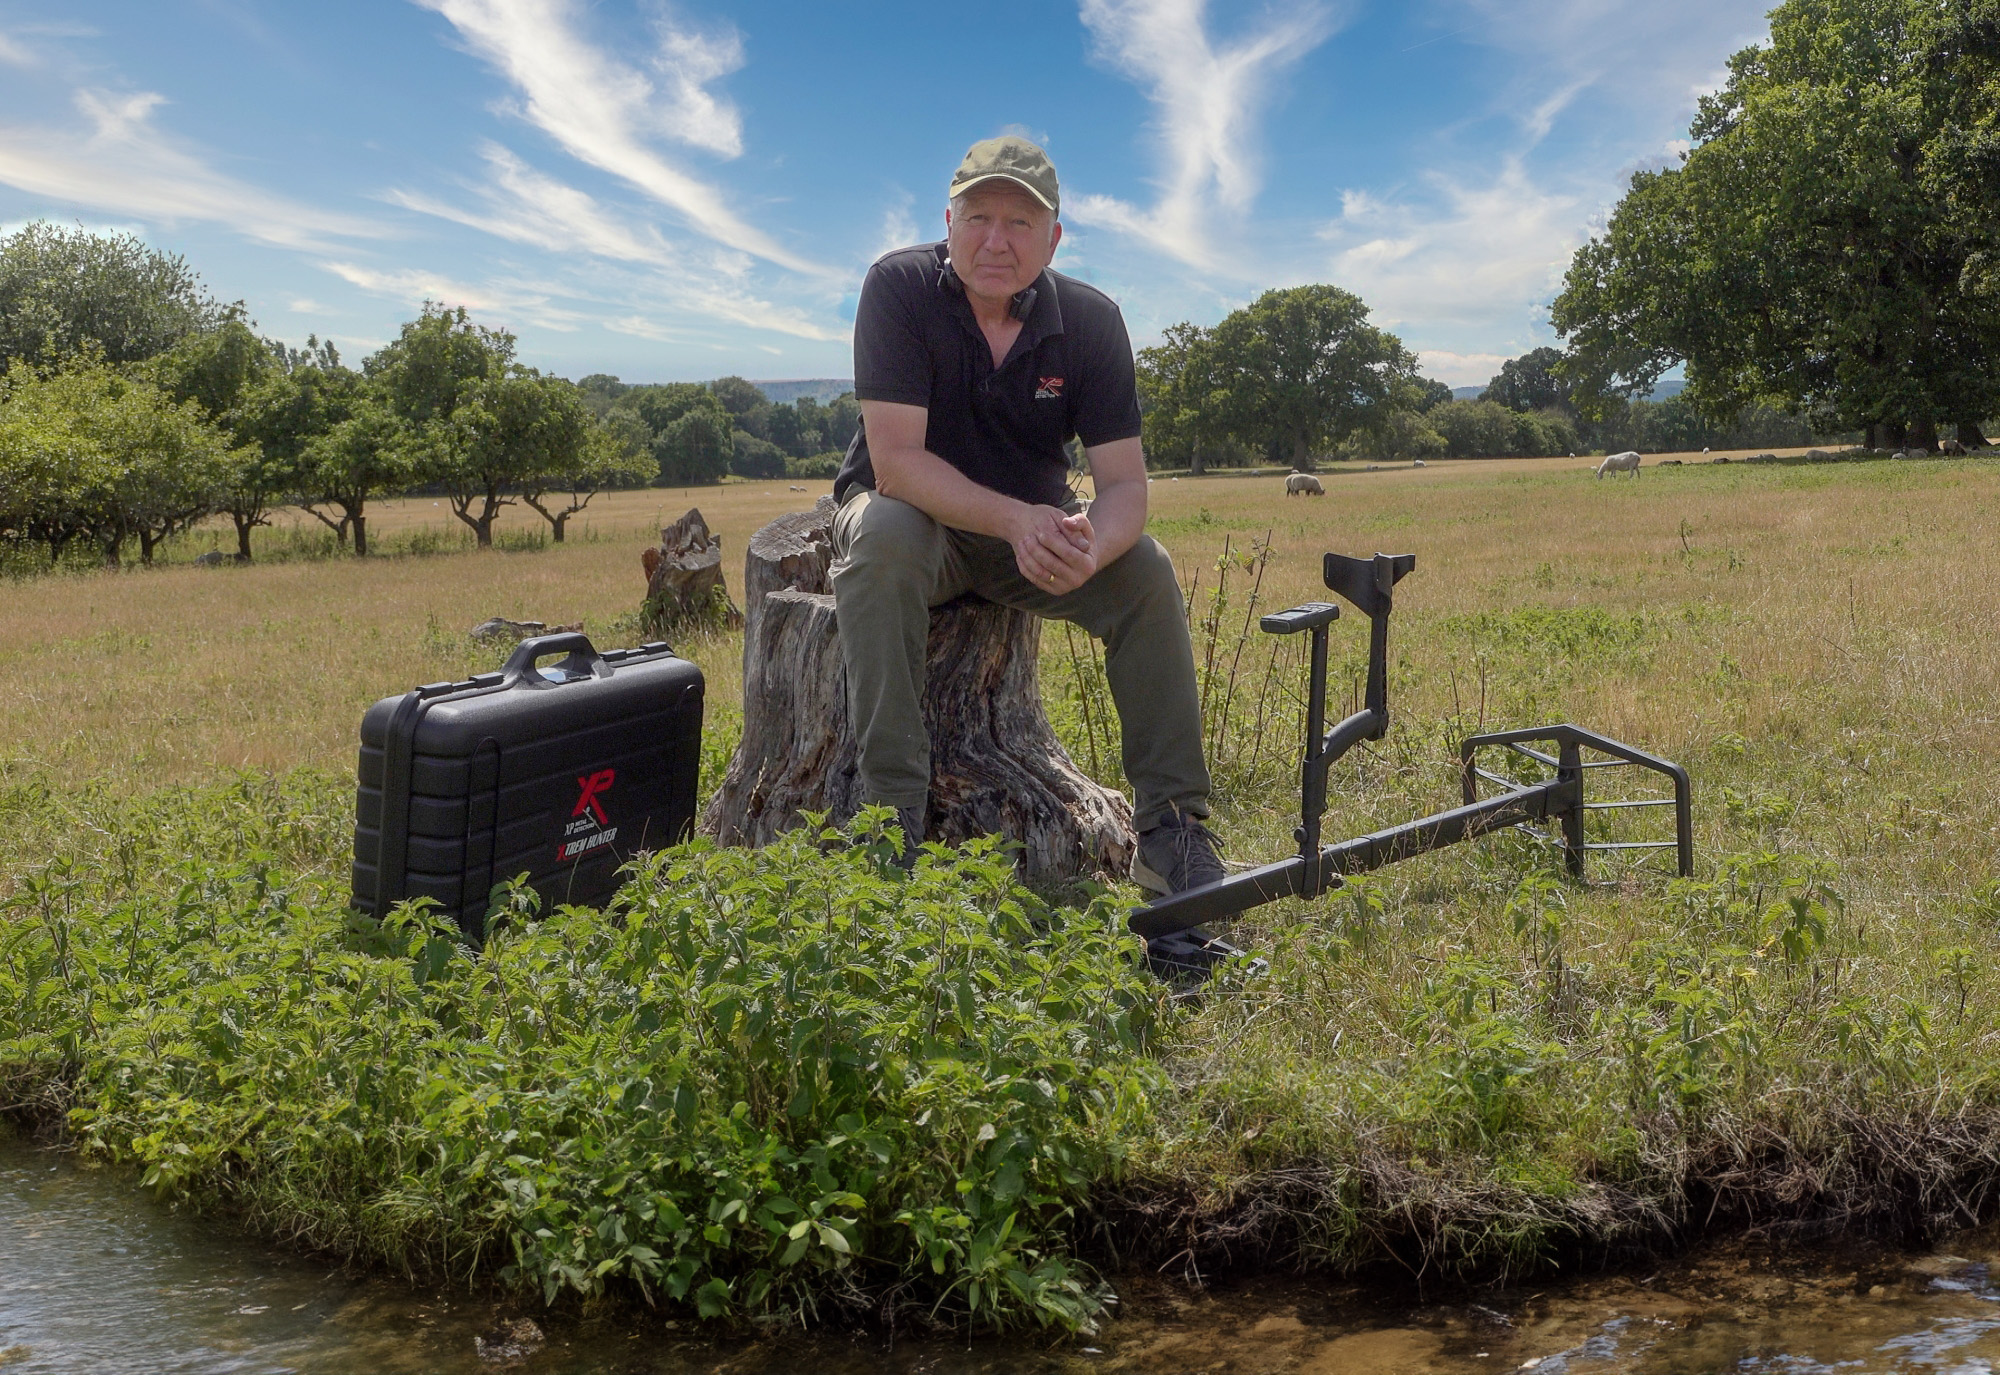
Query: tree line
133 405
1299 375
697 431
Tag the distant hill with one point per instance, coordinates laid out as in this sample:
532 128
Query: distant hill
820 389
1665 388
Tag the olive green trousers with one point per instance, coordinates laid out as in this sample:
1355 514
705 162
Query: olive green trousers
893 563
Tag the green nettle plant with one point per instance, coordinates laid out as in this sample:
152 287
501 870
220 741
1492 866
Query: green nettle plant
764 1083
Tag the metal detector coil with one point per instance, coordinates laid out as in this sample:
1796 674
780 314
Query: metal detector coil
1554 807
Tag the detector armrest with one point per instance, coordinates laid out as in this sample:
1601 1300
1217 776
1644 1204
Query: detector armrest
1311 616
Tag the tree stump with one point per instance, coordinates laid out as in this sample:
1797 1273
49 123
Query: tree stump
996 767
684 582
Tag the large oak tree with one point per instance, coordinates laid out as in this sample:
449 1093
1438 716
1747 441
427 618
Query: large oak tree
1826 245
1301 368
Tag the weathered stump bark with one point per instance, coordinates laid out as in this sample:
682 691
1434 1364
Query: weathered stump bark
996 767
684 582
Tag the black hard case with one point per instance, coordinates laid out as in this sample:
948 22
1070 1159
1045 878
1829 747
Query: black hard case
561 773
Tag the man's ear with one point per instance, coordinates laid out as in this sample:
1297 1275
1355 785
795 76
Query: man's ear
1055 235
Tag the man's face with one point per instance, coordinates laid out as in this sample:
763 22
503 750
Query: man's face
1000 238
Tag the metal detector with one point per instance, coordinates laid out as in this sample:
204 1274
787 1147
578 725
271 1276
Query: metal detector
1554 807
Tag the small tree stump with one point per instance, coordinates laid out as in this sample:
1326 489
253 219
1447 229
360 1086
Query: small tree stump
996 767
684 582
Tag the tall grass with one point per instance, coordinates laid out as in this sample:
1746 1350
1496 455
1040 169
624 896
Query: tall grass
1250 688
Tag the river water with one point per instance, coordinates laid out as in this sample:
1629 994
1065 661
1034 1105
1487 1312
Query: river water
94 1277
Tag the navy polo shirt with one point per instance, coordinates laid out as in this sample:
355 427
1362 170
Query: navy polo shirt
1069 373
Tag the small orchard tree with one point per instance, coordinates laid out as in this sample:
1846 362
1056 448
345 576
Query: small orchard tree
298 401
223 372
91 454
430 367
510 433
54 477
608 455
362 456
440 364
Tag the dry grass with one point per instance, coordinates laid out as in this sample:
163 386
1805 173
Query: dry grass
147 677
1844 621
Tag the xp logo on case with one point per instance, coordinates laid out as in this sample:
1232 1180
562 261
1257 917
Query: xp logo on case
589 824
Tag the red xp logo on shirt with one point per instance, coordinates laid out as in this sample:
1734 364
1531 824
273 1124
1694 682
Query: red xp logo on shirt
1049 389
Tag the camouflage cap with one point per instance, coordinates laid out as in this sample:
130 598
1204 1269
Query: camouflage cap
1009 158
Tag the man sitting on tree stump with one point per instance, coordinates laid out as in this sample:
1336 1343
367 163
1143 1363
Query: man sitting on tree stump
974 364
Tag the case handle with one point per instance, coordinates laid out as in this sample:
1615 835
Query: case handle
583 656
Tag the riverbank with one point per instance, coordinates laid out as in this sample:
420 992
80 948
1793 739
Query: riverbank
96 1285
1459 1067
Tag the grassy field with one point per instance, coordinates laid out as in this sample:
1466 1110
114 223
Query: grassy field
1460 1063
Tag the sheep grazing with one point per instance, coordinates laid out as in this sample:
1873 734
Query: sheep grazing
1418 463
1627 462
1303 484
1952 447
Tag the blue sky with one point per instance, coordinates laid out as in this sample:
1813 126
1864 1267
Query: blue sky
678 191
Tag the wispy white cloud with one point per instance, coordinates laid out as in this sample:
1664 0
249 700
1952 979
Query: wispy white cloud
647 304
528 207
607 113
123 163
1468 259
512 302
761 314
690 112
1461 253
14 54
1207 96
898 230
646 327
708 282
1647 58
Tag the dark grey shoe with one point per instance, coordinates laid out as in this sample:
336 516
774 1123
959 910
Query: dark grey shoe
1178 854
